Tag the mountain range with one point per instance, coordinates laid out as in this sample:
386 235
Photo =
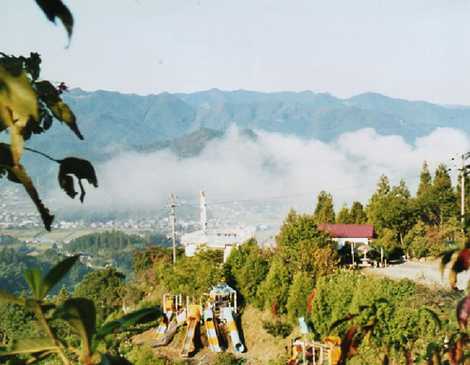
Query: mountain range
184 122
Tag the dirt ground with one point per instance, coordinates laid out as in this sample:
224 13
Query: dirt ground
260 346
423 272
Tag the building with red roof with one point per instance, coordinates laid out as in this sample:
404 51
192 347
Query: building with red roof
353 233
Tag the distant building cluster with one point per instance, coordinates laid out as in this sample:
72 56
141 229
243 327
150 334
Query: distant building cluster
215 238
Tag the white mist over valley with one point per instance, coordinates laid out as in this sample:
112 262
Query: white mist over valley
271 168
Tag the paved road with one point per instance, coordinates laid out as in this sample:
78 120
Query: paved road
423 272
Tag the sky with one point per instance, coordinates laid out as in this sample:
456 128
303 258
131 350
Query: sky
412 49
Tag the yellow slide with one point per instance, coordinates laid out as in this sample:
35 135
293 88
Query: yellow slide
194 316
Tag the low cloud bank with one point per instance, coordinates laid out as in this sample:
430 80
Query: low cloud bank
274 165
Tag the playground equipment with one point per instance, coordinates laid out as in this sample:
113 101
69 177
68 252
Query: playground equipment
211 330
305 351
193 318
224 301
218 310
174 315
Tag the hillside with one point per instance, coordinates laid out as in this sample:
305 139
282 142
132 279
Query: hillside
113 122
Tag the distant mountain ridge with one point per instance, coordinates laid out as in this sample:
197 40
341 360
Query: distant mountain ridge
112 121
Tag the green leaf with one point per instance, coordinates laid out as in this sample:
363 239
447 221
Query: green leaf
34 279
6 297
56 9
50 95
18 104
80 314
58 272
125 322
19 175
30 345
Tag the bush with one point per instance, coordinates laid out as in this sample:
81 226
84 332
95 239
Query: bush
274 291
226 358
195 275
145 356
104 288
245 269
277 328
299 291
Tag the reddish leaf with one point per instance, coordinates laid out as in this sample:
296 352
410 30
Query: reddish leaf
463 312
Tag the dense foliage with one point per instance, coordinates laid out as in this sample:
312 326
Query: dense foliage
108 248
104 288
14 262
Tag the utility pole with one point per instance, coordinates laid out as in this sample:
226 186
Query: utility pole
173 224
462 191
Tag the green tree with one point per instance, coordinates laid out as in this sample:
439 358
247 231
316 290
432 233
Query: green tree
324 210
393 209
194 275
299 291
301 247
377 202
104 288
246 268
425 181
389 243
357 213
274 291
416 241
344 216
445 202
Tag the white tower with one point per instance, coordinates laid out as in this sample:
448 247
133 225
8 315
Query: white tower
203 208
173 224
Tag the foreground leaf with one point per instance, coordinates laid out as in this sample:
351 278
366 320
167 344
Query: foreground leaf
34 279
81 169
22 177
56 9
30 345
58 272
80 314
18 175
51 96
125 322
18 104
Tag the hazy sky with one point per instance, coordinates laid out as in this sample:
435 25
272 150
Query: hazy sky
415 49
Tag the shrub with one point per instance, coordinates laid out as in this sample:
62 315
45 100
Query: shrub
194 275
226 358
299 291
274 291
246 268
277 328
104 288
145 356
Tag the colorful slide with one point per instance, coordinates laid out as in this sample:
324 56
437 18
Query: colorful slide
194 316
227 315
211 331
164 323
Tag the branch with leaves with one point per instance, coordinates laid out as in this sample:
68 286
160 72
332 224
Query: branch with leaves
28 107
78 313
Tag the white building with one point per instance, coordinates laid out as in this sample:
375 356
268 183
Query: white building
359 234
220 239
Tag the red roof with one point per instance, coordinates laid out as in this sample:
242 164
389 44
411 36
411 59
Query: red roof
348 230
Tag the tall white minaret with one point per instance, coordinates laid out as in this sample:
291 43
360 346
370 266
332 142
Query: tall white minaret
203 208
